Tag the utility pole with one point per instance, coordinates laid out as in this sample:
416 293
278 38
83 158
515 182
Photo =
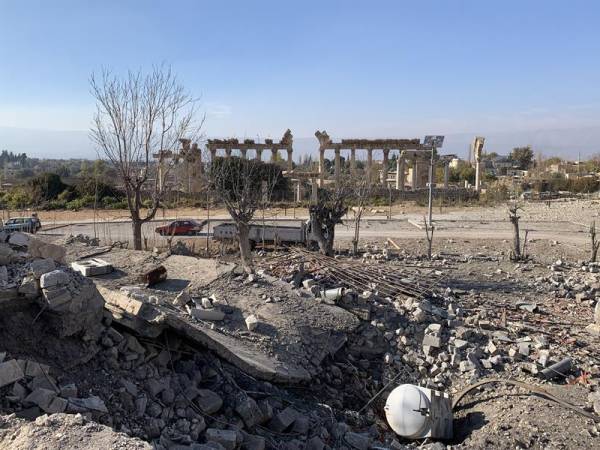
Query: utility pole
433 142
430 205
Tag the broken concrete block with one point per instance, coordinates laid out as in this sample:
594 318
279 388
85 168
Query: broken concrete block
208 401
30 287
283 420
253 442
35 369
252 322
10 371
92 267
182 298
207 314
54 278
358 441
429 340
18 239
19 391
41 397
248 410
227 438
57 405
41 266
57 298
87 404
68 390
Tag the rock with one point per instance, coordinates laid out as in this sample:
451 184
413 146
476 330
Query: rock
315 443
58 405
87 404
68 391
593 329
19 391
213 314
35 369
10 371
42 398
248 410
208 401
3 274
134 345
54 278
252 322
182 298
41 266
253 442
227 438
18 239
57 298
357 440
30 287
283 420
597 313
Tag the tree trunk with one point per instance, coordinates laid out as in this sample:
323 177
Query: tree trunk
317 230
516 238
245 251
136 224
329 240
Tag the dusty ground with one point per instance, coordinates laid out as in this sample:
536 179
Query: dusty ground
63 431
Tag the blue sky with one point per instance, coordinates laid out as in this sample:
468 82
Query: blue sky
370 68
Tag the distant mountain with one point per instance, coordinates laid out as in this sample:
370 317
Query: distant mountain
566 143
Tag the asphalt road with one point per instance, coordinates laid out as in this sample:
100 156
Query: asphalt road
371 228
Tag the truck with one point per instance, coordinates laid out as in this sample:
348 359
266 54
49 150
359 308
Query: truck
269 234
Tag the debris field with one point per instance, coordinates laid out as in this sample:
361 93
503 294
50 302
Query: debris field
168 351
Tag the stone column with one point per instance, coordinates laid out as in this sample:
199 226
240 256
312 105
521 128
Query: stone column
314 193
274 152
243 152
353 161
384 167
446 174
290 165
477 174
228 152
299 191
213 154
337 166
369 164
321 167
414 174
259 154
400 173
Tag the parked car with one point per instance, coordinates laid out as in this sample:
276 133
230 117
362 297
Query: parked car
181 227
25 224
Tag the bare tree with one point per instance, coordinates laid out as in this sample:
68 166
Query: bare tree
139 122
331 206
243 185
361 192
594 241
513 216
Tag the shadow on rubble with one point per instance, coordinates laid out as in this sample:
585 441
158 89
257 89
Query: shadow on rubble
27 332
464 426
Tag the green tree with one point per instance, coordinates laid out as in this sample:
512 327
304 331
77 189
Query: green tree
523 156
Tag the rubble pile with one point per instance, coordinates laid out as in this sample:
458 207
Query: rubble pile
172 366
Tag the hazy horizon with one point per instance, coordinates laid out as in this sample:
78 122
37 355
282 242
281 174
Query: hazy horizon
519 73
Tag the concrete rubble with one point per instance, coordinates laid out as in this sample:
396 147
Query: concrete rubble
212 358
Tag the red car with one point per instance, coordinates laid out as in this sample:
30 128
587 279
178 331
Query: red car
181 227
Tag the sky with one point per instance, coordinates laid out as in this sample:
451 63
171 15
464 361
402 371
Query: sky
355 68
